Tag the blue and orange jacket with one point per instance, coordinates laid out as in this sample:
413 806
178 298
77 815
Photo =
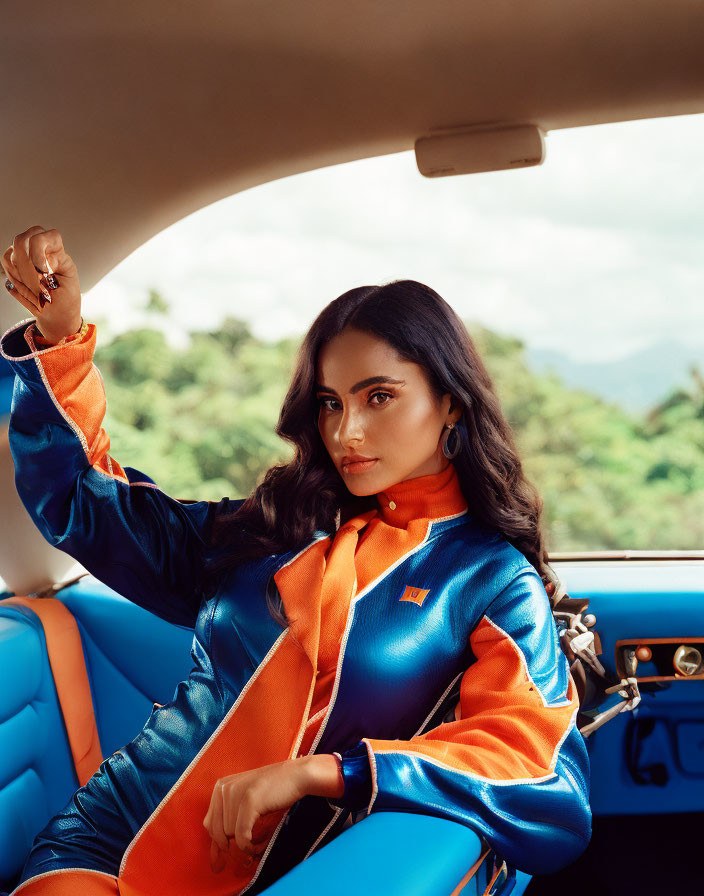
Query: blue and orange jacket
450 695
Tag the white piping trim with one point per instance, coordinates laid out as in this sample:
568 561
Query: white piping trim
398 562
265 853
302 551
511 782
14 328
372 765
558 746
435 708
80 435
78 432
311 720
452 516
324 832
499 782
31 880
524 663
116 476
303 725
196 758
299 739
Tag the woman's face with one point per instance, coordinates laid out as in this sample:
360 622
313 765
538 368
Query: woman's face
374 404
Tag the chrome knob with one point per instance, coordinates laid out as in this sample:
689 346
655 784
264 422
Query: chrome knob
687 660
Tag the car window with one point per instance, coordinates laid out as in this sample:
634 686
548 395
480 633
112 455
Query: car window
580 280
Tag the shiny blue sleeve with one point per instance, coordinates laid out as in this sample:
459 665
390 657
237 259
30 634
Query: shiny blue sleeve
115 521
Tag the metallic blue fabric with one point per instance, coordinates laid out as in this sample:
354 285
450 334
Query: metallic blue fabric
399 669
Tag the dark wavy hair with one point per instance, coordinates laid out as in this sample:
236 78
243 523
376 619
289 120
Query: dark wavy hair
308 494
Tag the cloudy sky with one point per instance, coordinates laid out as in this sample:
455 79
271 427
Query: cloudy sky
598 252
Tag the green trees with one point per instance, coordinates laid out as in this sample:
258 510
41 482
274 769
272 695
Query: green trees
200 421
610 480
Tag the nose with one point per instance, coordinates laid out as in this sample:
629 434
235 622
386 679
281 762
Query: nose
351 428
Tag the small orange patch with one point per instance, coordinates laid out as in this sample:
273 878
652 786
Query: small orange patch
416 595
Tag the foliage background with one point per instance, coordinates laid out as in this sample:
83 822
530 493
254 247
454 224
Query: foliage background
199 420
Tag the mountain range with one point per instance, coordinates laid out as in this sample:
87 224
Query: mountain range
636 382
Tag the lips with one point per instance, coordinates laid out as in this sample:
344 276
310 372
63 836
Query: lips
355 458
357 463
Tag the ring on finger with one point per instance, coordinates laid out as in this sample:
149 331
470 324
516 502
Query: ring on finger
47 278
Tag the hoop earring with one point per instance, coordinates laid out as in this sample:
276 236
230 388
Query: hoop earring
452 451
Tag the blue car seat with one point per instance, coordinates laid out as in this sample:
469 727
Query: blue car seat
133 660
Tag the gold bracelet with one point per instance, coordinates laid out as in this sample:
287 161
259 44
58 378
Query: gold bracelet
79 334
84 329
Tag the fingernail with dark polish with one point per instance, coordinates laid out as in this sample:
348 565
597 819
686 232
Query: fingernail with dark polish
51 281
9 285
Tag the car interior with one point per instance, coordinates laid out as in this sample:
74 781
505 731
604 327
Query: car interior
122 119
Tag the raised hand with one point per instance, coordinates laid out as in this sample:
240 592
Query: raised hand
44 279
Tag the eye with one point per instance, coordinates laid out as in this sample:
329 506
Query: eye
387 395
325 403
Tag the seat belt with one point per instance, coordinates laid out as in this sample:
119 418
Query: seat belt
68 667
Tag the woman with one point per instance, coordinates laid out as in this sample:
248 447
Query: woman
372 629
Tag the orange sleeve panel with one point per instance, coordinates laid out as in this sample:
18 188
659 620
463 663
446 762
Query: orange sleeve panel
513 764
77 388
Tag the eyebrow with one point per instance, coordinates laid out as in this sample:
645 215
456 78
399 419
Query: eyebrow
362 384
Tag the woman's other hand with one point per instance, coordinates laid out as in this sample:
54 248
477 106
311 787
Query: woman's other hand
44 279
240 801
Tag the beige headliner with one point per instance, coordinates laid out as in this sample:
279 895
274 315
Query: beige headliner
121 118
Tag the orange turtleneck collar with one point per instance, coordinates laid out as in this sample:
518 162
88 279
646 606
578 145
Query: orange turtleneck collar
432 496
